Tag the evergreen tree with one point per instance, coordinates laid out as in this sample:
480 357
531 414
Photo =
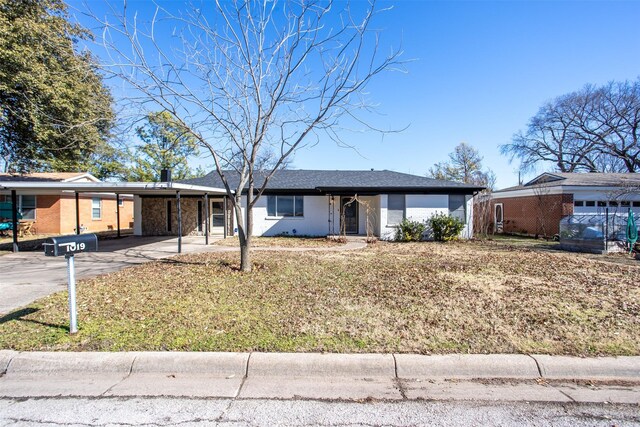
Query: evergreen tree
55 112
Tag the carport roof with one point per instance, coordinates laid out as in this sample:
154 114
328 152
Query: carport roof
136 188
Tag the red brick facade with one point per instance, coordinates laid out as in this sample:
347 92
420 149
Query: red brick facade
534 215
57 214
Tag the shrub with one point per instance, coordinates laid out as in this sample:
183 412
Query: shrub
410 231
445 227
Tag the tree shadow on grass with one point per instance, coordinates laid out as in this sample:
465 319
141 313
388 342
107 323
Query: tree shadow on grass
19 314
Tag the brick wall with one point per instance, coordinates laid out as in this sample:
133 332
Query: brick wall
535 215
107 221
47 215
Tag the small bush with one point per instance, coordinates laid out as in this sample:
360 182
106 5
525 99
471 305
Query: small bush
410 231
445 227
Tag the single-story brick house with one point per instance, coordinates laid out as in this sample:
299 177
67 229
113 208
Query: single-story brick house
536 208
54 211
326 202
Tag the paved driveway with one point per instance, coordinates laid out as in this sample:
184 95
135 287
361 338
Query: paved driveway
27 276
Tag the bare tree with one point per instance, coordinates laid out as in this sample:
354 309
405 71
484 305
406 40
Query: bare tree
595 129
252 77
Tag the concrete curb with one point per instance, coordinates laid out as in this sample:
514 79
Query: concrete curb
66 363
301 365
209 363
601 368
5 359
456 366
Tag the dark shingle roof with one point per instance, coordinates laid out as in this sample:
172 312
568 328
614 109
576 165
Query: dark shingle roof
552 179
340 180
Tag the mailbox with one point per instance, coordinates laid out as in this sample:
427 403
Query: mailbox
69 245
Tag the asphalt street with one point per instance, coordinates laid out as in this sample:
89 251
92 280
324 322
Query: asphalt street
265 412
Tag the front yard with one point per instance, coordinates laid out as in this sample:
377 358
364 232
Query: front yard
471 297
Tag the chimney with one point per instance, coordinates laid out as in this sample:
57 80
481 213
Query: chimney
165 175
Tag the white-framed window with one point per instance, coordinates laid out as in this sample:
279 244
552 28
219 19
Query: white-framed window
285 206
26 205
396 207
458 207
96 208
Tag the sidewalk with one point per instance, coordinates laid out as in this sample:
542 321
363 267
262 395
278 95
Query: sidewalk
349 377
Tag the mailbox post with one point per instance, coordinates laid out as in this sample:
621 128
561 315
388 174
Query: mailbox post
69 246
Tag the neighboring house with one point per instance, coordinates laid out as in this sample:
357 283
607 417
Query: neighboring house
318 203
54 212
536 207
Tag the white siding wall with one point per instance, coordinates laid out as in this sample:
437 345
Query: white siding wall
137 216
419 207
314 223
603 196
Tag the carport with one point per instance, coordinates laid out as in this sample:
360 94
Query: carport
143 189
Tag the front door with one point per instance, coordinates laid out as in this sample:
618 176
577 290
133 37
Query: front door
217 216
349 215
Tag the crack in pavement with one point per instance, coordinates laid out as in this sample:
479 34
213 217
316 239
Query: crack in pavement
122 380
226 410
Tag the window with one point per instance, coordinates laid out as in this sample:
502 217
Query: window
26 206
199 223
285 206
96 208
625 204
458 207
590 203
602 204
395 208
578 203
217 213
636 204
613 204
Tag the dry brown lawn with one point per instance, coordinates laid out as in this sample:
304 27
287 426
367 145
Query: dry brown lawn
283 242
472 297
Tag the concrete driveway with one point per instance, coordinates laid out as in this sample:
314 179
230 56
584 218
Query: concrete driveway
27 276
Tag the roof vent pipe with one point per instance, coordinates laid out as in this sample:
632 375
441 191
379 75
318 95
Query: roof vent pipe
165 175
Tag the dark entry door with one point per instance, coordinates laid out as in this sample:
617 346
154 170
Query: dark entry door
349 214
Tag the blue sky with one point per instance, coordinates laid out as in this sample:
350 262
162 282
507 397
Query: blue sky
481 69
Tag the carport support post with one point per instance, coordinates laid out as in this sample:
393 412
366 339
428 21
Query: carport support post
179 222
118 212
224 223
206 218
14 218
77 213
71 277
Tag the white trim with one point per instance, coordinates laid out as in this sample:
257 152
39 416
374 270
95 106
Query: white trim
111 187
82 176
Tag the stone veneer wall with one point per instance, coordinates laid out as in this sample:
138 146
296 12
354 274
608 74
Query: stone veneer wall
154 216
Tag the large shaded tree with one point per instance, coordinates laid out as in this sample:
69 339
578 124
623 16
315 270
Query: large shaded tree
595 129
251 79
55 112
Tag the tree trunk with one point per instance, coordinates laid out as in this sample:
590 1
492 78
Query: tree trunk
243 235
